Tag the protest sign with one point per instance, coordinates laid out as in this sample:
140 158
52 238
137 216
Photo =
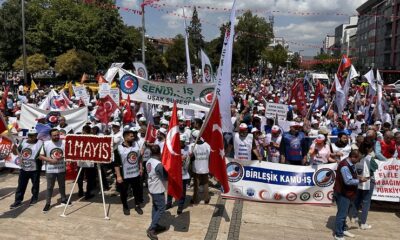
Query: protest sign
114 94
88 148
274 109
81 93
5 147
104 89
387 181
187 96
280 183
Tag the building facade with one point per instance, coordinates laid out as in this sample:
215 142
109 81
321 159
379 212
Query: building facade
329 44
378 35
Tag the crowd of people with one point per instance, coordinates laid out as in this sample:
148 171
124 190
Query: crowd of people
355 140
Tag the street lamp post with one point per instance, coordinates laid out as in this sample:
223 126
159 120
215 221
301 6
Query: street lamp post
143 36
24 42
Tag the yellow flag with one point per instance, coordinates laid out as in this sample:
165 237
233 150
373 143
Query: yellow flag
33 87
70 90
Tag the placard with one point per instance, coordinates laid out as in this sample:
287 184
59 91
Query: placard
88 148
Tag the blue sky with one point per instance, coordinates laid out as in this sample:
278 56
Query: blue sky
302 32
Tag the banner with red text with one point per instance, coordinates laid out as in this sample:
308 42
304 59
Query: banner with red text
88 148
387 181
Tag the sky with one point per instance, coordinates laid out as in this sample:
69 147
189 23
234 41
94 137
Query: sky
303 33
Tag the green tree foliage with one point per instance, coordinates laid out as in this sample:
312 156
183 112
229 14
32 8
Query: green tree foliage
35 63
254 34
295 61
277 56
327 63
175 55
74 63
196 39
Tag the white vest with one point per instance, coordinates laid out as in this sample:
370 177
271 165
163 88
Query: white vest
185 163
156 185
29 154
243 147
129 160
201 158
54 150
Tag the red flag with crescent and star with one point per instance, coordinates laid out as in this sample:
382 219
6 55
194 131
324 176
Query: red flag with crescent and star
106 107
151 133
172 158
212 134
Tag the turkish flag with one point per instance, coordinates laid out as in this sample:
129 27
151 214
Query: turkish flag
171 157
106 107
128 115
4 98
345 63
212 134
151 133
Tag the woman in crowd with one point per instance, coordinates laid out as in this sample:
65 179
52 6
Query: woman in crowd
320 151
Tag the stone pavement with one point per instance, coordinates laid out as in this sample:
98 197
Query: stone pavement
221 219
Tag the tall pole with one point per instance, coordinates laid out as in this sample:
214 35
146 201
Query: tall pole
143 36
23 41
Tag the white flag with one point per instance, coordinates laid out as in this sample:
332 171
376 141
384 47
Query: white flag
379 95
352 74
112 71
371 81
141 70
224 90
339 96
206 68
188 66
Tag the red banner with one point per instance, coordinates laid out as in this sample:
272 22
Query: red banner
300 97
88 148
5 147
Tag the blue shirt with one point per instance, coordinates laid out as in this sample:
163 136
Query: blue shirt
336 131
346 174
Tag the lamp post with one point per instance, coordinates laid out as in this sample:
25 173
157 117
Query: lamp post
24 42
143 36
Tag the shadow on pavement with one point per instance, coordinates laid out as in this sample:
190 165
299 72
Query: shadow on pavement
180 222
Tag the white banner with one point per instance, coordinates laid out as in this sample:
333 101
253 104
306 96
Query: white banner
280 183
387 181
81 93
224 90
104 89
187 96
75 118
141 70
206 69
273 109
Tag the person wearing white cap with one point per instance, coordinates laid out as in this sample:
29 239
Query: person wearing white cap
129 169
142 122
161 135
164 123
320 151
183 130
293 146
355 125
314 128
200 155
273 140
260 145
243 144
29 150
53 154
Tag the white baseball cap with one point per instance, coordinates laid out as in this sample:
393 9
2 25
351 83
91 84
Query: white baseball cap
243 126
163 131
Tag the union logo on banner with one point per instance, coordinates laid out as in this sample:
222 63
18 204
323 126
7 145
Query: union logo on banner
129 84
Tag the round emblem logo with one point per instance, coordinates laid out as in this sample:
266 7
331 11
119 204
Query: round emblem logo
264 194
207 95
291 196
26 153
318 195
235 171
53 118
129 84
324 177
141 72
132 158
277 196
305 196
56 153
250 192
330 195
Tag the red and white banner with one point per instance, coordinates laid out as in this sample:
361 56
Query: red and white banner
88 148
387 181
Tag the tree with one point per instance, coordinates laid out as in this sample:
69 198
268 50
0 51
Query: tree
196 39
175 55
326 63
277 56
295 61
35 63
74 63
254 34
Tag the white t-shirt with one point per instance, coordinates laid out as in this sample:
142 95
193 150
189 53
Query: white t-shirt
201 157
